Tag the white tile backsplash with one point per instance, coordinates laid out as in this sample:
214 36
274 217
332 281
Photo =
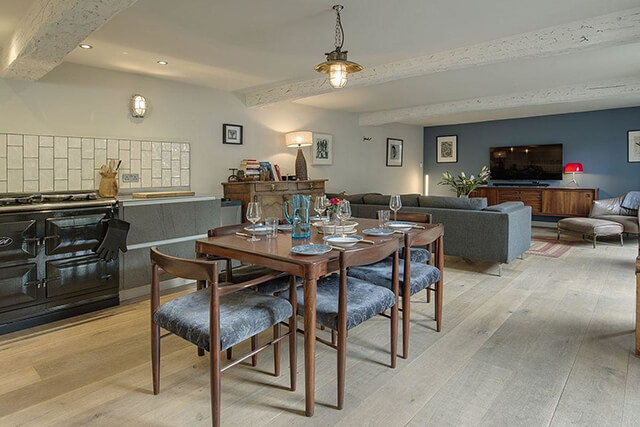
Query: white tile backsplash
33 163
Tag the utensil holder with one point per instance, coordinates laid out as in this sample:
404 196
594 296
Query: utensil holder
108 184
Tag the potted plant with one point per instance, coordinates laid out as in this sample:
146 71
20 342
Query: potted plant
462 185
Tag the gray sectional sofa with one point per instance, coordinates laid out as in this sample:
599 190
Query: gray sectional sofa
472 229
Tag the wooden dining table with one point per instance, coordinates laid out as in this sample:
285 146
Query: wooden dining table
275 253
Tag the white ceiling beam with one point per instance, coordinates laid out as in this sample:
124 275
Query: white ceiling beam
572 93
607 30
49 31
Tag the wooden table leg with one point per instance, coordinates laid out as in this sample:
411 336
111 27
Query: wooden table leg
309 344
440 287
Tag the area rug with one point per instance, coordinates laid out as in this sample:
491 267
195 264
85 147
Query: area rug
548 247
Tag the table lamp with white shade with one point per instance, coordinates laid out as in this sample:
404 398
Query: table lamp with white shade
299 139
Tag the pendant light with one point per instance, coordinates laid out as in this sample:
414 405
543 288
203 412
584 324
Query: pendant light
336 64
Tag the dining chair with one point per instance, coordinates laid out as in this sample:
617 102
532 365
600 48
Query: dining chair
422 255
415 277
344 302
218 316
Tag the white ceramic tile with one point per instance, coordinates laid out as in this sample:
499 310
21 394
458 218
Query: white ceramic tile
156 150
30 146
112 149
166 159
30 187
61 185
31 169
60 144
75 142
14 140
125 144
87 184
14 157
135 149
146 146
166 177
135 166
175 168
3 168
87 169
46 180
46 141
3 145
3 186
136 184
185 147
175 151
166 146
46 157
184 178
97 179
87 148
60 169
100 158
75 179
100 144
175 182
156 182
156 169
124 184
184 160
75 161
125 156
14 180
145 178
146 159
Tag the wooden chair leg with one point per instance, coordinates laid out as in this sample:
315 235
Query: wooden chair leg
293 328
200 284
229 353
438 306
254 345
215 362
333 336
394 334
342 361
155 356
406 317
428 295
276 350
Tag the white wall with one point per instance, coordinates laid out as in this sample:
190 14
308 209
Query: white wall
82 101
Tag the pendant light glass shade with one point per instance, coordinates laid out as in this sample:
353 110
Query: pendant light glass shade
337 75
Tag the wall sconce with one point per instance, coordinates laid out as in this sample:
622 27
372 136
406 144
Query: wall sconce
138 106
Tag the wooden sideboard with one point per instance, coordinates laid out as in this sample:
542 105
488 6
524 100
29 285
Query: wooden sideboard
271 194
544 201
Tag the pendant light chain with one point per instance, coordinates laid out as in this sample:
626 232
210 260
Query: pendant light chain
339 31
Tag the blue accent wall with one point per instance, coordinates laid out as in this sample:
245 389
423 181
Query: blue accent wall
597 139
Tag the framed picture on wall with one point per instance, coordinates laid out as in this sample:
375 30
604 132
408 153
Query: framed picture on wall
447 149
232 134
322 149
394 152
633 150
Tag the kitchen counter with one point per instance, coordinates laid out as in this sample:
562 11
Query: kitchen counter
128 200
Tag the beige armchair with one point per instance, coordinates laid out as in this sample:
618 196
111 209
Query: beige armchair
612 210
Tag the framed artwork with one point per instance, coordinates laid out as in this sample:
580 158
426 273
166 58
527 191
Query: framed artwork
633 149
232 134
447 149
322 149
394 152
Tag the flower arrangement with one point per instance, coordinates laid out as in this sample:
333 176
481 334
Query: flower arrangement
462 185
333 205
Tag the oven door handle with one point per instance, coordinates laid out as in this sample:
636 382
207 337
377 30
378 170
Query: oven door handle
31 240
53 236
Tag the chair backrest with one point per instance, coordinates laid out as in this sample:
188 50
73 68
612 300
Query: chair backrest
421 217
370 255
417 237
193 269
227 229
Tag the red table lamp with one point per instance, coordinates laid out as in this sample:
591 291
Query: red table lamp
573 168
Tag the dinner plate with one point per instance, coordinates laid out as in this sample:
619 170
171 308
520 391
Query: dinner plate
377 232
321 231
400 225
342 241
348 225
260 229
311 249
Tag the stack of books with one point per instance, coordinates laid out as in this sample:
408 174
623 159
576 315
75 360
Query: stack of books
264 171
251 168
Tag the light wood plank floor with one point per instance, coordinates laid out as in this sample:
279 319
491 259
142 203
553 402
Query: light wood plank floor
548 343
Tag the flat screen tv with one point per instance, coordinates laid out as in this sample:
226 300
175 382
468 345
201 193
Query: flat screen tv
527 162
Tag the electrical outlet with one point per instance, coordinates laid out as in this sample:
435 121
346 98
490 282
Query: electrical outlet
130 177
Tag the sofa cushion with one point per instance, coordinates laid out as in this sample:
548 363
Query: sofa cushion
376 199
590 226
340 195
630 223
359 198
505 207
410 200
471 203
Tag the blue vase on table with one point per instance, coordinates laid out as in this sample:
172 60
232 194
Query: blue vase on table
299 218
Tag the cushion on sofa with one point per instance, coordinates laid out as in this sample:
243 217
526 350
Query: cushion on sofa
359 198
410 200
341 195
505 207
376 199
472 203
630 223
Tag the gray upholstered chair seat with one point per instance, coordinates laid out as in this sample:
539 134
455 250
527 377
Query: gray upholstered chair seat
243 314
422 275
420 255
364 301
250 272
277 285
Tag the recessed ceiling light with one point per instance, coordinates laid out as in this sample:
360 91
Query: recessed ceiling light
163 63
86 46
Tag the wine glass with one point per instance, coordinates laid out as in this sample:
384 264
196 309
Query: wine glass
395 204
254 212
344 213
320 205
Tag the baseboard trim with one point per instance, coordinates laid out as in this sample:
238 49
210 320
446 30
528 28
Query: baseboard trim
140 291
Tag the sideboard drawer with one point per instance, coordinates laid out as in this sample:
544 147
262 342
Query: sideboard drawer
271 186
311 185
